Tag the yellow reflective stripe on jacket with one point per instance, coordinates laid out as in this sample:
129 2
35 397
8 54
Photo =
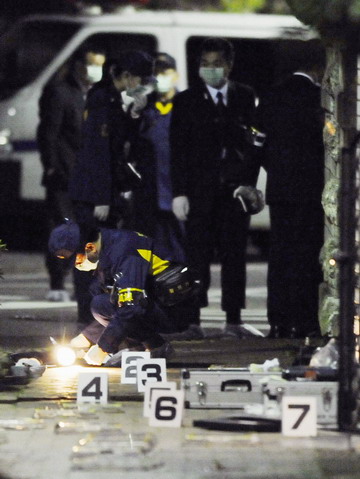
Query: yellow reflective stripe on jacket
126 294
131 289
157 264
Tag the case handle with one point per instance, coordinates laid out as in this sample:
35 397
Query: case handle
236 385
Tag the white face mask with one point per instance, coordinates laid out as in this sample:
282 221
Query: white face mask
164 83
140 90
86 265
212 76
94 73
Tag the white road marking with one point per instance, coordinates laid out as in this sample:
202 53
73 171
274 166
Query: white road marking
13 305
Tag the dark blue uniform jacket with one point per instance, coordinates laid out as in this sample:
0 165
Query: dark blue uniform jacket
135 260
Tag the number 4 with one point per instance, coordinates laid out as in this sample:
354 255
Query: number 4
96 393
92 388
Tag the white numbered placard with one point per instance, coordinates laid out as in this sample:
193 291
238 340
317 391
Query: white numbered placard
167 408
93 387
150 388
129 365
299 416
150 370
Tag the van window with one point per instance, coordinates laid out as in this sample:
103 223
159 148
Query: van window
259 63
27 49
114 43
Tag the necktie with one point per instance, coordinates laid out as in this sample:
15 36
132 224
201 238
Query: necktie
220 105
221 124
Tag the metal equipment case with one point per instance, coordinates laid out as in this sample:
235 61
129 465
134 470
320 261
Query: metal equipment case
222 388
326 393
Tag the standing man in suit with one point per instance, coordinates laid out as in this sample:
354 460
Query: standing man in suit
292 119
210 159
61 110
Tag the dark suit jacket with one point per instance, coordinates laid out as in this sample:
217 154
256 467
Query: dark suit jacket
106 128
61 109
197 168
292 118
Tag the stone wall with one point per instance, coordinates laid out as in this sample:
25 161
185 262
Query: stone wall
339 98
333 85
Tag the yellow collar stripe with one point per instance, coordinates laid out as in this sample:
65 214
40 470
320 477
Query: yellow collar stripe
157 264
145 253
164 109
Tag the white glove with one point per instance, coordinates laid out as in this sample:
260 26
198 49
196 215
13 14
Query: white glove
139 103
80 341
101 212
96 356
181 207
80 344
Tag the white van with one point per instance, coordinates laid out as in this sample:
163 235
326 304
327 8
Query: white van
34 49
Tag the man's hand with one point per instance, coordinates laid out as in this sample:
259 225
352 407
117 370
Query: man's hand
101 212
251 199
80 341
139 103
95 356
181 207
80 344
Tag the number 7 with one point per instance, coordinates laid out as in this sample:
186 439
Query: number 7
305 409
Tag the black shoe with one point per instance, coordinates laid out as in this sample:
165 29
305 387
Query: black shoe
192 333
242 331
164 351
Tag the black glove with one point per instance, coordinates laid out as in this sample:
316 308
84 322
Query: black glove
252 200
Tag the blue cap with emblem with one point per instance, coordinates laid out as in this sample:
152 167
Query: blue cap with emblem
65 237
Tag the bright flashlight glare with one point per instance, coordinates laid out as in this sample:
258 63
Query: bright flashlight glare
65 356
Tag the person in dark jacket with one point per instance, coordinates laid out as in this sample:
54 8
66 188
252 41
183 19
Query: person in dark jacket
59 134
98 183
292 118
128 263
108 129
210 159
153 215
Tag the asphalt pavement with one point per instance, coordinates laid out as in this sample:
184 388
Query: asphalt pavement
46 433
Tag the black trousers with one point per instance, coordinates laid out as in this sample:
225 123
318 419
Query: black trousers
58 205
294 274
217 228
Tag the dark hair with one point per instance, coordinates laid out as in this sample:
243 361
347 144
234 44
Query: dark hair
218 45
312 55
80 54
89 233
135 62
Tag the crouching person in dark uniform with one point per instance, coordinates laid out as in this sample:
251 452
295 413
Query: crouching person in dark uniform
135 288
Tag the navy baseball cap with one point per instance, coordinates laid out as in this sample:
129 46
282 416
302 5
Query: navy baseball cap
164 61
65 237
